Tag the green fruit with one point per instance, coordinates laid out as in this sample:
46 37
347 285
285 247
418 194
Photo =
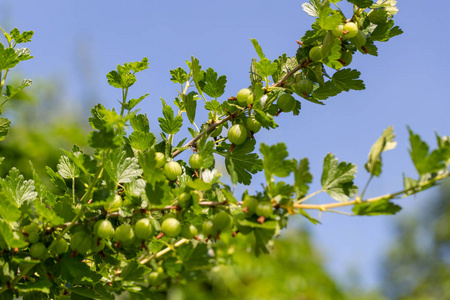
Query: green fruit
160 159
338 30
31 228
154 278
351 29
184 200
171 227
144 229
81 242
286 102
194 161
216 131
114 205
172 170
304 87
33 237
252 125
264 209
38 250
346 58
244 97
237 134
98 245
60 246
250 204
208 229
124 234
188 231
104 229
222 221
316 53
360 39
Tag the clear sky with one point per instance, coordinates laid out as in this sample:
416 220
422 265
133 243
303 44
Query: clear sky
78 42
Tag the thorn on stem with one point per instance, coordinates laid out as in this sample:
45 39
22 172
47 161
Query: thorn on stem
160 235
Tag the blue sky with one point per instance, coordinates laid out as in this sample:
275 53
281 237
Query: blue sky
78 42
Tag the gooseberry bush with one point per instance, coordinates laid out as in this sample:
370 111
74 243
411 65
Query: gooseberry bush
130 217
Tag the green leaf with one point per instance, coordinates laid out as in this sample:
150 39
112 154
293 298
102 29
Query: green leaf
23 54
147 161
104 139
21 38
47 213
4 126
381 207
262 237
266 68
179 75
66 168
275 162
169 124
140 140
140 123
120 168
133 102
11 91
329 20
159 194
424 161
302 177
56 179
134 271
214 87
362 3
190 105
9 210
8 58
17 189
199 185
254 76
139 66
265 119
241 163
329 89
312 8
384 143
337 178
214 106
11 238
383 32
258 49
348 79
41 285
197 73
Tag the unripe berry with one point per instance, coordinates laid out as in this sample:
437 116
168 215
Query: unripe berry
171 227
244 97
237 134
144 229
172 170
104 229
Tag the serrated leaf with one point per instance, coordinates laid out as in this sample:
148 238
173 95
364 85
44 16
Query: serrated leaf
66 168
4 126
337 178
383 32
265 67
169 124
190 105
381 207
424 161
140 140
275 162
11 91
159 194
241 163
214 87
140 123
362 3
329 89
21 38
254 76
133 102
11 238
47 214
120 168
312 8
302 177
9 210
147 161
384 143
214 106
199 185
104 139
56 179
348 79
196 71
258 49
328 20
8 58
265 119
134 271
17 188
179 75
